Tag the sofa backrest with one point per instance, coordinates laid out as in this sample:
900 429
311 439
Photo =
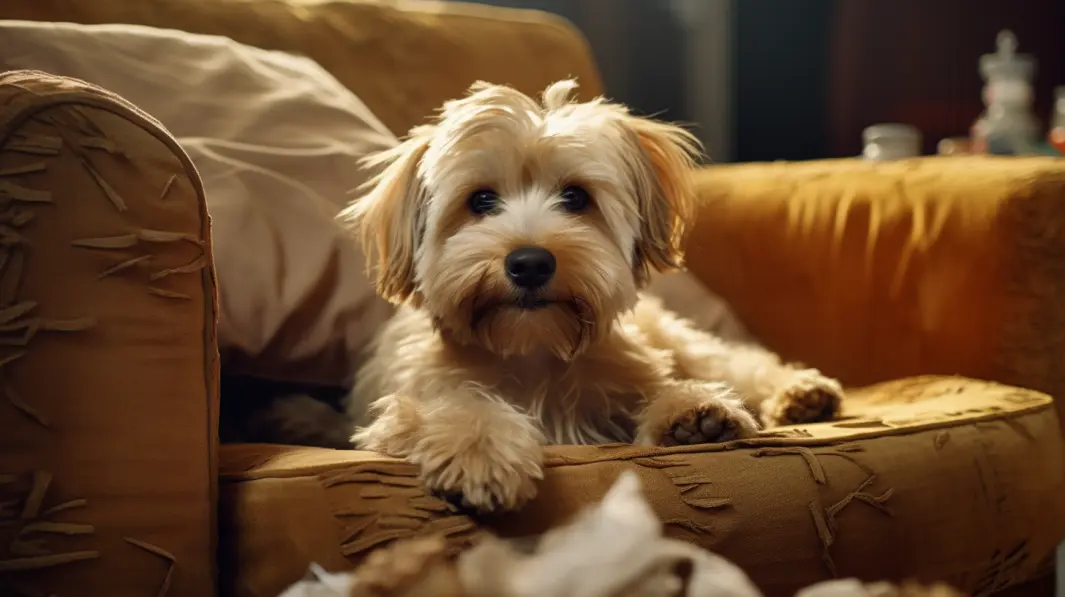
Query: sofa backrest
403 59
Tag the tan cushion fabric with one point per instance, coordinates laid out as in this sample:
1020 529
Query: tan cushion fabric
933 478
276 140
684 294
109 403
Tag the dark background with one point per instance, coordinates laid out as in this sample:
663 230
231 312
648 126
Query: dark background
808 75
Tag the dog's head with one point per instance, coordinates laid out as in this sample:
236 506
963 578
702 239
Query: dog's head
523 225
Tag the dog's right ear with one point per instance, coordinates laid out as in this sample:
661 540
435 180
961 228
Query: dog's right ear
387 219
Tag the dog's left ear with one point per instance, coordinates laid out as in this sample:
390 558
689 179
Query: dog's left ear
386 221
664 161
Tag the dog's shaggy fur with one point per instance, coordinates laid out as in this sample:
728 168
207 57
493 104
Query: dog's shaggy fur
477 371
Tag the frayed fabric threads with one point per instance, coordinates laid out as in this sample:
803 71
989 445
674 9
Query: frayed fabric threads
613 549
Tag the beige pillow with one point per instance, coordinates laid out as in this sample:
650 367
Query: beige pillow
276 139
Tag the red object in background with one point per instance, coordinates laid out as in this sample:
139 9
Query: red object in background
1057 139
916 62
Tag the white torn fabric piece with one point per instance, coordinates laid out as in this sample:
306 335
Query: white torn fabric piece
612 550
320 583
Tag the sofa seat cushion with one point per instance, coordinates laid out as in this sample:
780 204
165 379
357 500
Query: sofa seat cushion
937 478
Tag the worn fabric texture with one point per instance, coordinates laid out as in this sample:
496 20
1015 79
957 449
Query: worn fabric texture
875 271
612 548
108 360
276 140
403 59
933 478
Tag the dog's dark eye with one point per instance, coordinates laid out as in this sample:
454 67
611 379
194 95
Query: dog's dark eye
575 199
483 202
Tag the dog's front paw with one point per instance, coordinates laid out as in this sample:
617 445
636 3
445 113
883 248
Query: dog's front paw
806 396
711 423
484 478
688 413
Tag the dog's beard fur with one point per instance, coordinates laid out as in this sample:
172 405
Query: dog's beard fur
470 299
436 254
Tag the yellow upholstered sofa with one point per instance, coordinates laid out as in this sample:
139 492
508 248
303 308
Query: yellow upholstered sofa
934 286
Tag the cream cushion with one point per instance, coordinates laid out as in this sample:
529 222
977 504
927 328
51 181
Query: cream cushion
276 140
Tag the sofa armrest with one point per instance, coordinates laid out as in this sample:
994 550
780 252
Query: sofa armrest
109 404
874 271
403 59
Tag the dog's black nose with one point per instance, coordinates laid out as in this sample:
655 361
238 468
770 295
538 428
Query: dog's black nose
530 267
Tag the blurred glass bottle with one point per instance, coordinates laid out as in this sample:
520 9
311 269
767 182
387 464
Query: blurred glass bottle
1007 126
1057 121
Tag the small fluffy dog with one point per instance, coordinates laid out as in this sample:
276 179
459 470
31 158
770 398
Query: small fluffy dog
516 235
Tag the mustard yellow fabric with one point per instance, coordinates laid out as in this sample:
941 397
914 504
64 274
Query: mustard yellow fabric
108 410
934 478
875 271
403 59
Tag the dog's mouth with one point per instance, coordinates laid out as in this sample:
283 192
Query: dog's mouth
527 302
531 302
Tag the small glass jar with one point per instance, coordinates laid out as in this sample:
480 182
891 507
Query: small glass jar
891 142
955 146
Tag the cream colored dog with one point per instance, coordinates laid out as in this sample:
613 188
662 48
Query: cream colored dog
517 236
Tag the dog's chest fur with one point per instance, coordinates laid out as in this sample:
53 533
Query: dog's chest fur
590 400
570 407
